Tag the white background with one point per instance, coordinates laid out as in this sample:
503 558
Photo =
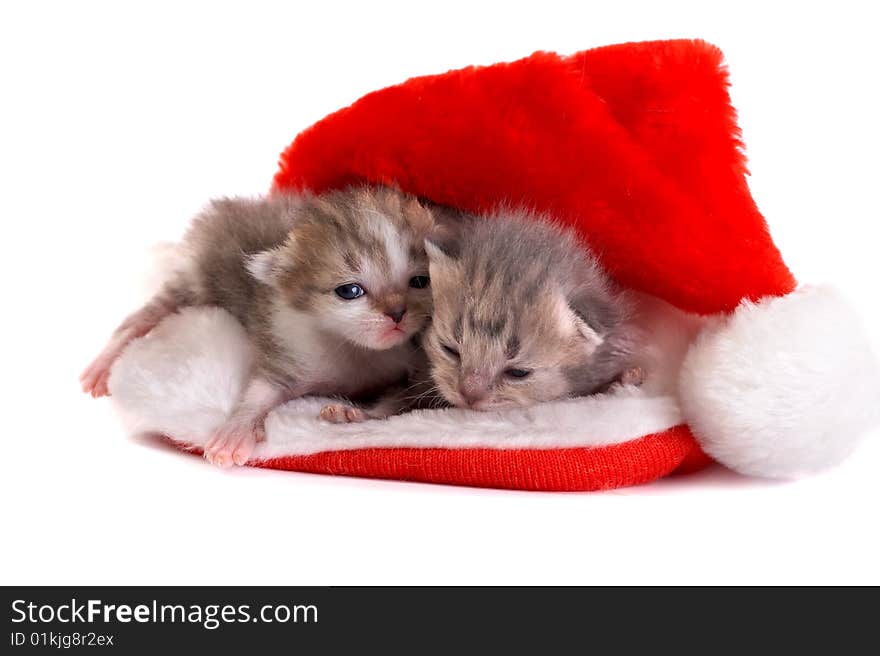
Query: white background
118 121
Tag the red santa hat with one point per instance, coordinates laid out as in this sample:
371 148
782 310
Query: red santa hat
636 147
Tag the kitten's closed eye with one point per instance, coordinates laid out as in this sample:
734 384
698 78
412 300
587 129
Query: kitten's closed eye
518 373
350 291
451 351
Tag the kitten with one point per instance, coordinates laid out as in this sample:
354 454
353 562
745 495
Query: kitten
522 313
331 289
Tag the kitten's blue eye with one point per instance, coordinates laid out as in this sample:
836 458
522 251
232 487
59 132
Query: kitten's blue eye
451 351
419 282
518 373
350 291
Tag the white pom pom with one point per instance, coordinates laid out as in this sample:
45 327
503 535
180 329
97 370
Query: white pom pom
185 377
784 387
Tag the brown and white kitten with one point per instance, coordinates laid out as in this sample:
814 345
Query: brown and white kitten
523 313
331 289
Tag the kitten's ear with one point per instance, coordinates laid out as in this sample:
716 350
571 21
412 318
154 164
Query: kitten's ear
444 240
439 252
418 215
264 266
591 337
581 315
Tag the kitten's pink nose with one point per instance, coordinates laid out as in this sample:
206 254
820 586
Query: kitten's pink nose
473 389
396 313
471 396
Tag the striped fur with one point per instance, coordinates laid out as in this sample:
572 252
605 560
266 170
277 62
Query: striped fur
517 293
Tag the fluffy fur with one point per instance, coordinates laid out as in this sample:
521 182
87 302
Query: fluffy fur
784 387
186 378
522 313
635 146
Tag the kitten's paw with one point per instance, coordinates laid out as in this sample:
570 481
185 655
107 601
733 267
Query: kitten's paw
633 376
96 376
233 444
340 413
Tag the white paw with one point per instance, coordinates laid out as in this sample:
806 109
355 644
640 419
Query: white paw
233 444
94 379
340 413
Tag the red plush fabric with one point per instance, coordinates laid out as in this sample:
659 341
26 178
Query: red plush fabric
635 145
550 470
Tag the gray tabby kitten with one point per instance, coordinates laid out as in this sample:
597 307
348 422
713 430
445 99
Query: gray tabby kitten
331 289
522 313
